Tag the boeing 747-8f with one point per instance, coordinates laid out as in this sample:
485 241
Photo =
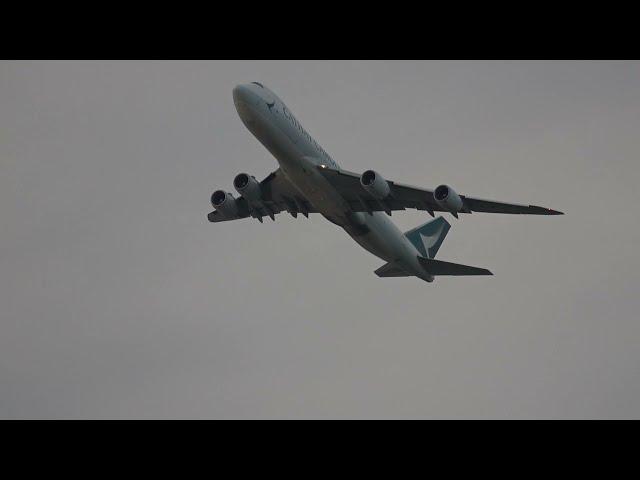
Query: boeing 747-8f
310 181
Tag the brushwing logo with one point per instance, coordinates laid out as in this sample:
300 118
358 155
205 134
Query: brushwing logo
432 239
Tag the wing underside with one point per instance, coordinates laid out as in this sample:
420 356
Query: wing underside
278 195
405 196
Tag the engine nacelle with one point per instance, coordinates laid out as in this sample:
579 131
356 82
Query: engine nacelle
224 203
375 184
447 198
247 186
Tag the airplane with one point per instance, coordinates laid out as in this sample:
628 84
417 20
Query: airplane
308 181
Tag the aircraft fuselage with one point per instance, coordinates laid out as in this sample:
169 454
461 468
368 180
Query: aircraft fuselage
300 158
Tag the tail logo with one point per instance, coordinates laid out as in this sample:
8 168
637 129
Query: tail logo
430 240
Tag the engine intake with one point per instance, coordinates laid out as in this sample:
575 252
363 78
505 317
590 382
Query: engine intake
224 203
247 186
447 198
375 184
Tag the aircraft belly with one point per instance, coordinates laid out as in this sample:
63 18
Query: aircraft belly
386 241
314 186
382 237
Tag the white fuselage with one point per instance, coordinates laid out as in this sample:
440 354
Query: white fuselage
299 156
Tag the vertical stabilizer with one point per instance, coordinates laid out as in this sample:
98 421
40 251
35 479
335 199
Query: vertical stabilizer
428 237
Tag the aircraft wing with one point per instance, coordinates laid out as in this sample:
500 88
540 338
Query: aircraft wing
405 196
278 195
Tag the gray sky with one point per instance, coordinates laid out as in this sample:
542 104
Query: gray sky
119 300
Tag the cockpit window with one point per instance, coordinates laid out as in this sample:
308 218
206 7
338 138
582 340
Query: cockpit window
259 84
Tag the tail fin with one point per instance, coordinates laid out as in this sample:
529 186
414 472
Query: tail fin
428 237
438 267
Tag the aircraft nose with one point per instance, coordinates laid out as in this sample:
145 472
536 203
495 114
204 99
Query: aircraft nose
245 101
244 94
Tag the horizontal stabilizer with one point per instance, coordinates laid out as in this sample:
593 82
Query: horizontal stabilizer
438 267
391 270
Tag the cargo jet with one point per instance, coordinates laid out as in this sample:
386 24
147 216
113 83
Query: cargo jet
310 181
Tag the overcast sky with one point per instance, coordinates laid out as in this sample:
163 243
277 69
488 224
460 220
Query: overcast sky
118 299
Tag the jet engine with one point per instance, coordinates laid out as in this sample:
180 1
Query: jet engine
447 198
224 203
247 186
375 185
